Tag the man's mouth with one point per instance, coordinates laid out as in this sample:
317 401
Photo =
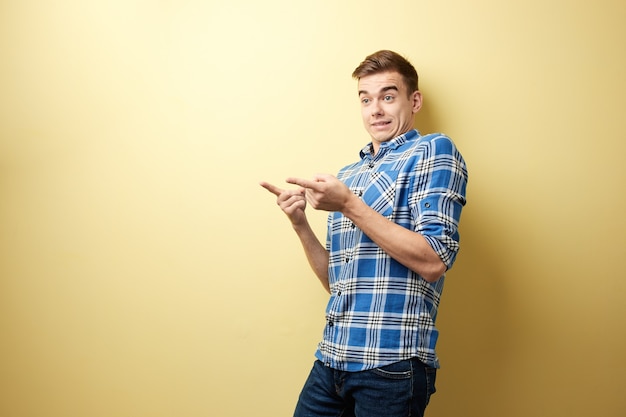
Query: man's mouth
380 124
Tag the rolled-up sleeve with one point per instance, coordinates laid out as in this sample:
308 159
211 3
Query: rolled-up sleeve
439 194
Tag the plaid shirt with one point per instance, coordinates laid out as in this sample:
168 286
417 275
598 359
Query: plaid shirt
379 311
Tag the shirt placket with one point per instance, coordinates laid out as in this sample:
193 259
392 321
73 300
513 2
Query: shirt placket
336 330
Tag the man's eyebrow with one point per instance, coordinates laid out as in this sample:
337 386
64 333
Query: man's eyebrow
382 90
391 87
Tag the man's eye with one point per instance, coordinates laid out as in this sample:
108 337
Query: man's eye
388 98
365 100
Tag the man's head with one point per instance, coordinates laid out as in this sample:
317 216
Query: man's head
388 94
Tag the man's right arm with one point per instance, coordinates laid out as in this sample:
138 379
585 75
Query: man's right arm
293 204
316 253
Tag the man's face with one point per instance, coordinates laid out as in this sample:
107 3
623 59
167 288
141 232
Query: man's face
386 107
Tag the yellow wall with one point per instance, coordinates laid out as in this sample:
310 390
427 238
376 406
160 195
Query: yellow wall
143 271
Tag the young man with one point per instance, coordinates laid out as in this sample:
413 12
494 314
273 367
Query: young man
392 234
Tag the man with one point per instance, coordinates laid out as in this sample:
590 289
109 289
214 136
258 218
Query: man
392 235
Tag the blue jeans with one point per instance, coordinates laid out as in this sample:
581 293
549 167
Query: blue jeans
401 389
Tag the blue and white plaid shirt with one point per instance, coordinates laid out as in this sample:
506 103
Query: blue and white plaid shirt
381 312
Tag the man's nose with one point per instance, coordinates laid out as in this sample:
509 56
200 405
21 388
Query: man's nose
376 108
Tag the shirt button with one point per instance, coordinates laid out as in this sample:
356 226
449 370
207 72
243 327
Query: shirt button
338 293
330 323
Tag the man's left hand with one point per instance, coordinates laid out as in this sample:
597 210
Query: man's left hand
324 192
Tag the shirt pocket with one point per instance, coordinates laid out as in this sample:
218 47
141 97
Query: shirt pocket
380 194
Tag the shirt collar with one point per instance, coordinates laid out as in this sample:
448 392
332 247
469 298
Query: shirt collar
368 150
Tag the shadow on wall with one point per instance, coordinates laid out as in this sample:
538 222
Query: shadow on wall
475 316
425 120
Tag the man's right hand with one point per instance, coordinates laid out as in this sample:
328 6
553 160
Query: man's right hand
291 202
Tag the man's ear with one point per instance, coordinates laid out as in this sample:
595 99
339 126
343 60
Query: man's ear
416 98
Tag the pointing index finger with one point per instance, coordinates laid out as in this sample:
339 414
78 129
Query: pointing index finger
302 183
271 188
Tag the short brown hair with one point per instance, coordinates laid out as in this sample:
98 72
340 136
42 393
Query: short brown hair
385 60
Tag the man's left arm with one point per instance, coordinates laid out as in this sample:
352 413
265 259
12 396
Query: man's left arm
409 248
326 192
